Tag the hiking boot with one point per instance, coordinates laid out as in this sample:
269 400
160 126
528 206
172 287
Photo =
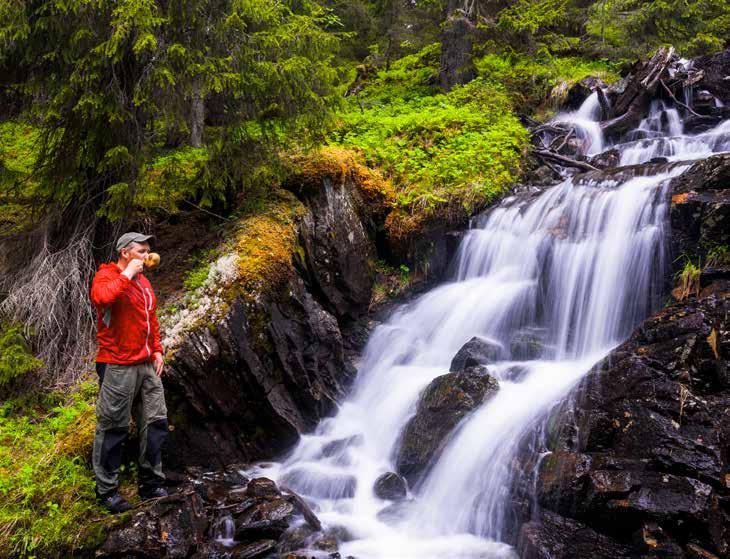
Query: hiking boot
114 502
148 493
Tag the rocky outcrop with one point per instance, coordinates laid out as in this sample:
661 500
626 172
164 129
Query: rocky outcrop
644 459
443 405
266 363
715 70
247 387
700 209
221 514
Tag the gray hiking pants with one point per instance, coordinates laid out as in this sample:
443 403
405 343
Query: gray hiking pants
128 389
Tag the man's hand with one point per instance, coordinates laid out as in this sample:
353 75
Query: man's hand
134 267
158 362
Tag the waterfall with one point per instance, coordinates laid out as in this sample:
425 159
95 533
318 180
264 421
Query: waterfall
582 263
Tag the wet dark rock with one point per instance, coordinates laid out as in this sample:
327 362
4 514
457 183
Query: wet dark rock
606 159
395 511
557 537
516 373
442 406
580 91
187 523
529 344
172 527
542 176
476 351
390 486
253 550
715 70
645 458
262 487
700 209
338 254
248 390
340 445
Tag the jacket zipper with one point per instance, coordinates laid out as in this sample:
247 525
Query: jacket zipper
147 316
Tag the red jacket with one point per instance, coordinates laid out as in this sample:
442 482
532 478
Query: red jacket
127 327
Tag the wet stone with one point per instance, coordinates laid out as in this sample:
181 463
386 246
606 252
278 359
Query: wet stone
442 406
390 486
476 351
529 344
262 487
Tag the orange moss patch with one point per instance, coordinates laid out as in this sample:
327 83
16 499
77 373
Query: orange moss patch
266 241
403 226
340 165
680 198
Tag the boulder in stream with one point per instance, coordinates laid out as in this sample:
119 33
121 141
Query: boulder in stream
390 486
529 343
477 351
444 403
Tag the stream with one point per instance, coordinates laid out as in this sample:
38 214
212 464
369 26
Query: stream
576 266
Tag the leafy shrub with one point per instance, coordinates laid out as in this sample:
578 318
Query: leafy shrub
465 145
15 357
529 80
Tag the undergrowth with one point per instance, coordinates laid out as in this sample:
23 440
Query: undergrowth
16 358
47 504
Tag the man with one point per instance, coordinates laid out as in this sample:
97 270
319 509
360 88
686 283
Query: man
130 363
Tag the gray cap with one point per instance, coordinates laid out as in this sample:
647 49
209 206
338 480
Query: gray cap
132 237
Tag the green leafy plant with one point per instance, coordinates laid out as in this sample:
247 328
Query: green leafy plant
718 255
16 359
688 281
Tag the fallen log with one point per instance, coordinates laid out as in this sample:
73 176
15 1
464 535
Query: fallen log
683 105
632 103
565 161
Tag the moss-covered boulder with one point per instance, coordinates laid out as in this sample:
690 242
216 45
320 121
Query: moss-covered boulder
444 403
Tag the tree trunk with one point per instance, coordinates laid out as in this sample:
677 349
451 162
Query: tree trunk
457 41
197 116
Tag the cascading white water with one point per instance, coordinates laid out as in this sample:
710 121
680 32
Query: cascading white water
585 123
582 263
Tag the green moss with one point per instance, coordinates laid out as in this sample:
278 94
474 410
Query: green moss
265 243
530 79
18 147
47 504
172 177
196 276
